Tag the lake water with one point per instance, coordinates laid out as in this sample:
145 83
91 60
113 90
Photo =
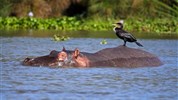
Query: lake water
43 83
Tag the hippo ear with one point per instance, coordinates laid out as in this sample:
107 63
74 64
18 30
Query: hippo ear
76 52
63 49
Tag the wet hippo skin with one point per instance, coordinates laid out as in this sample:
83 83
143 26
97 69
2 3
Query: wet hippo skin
120 56
54 59
123 57
40 61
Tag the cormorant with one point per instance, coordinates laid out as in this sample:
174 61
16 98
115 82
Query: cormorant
124 35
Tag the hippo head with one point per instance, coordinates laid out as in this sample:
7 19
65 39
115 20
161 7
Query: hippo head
79 60
62 57
72 58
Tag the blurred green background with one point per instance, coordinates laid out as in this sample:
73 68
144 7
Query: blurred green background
90 8
159 16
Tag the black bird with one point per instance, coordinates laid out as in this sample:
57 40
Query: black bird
124 35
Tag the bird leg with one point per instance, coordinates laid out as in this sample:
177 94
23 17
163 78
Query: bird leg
124 43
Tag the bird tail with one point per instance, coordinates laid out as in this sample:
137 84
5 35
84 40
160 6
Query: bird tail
139 44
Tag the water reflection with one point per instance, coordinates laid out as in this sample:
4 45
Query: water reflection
82 34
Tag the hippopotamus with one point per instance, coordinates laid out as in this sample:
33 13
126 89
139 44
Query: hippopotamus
120 56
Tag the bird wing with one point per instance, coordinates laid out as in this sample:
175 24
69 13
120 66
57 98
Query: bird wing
127 35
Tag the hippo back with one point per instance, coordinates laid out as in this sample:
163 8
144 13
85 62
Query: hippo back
122 56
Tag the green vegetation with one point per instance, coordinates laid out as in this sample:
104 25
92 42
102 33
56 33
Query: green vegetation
64 23
160 16
72 24
134 8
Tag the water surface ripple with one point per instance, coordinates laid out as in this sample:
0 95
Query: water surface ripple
42 83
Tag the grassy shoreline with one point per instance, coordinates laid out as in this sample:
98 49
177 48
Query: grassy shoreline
156 25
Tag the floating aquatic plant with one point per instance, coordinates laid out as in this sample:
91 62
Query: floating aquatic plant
60 38
103 42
